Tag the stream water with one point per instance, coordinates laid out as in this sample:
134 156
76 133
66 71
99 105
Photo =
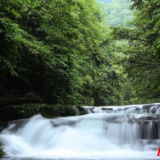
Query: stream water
110 133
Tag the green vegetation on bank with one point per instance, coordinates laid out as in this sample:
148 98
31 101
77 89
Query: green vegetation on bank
21 111
2 153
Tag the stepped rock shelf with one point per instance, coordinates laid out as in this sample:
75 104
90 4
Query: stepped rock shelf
111 133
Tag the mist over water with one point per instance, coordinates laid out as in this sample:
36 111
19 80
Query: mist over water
109 134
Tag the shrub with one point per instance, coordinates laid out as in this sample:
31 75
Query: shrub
2 153
49 111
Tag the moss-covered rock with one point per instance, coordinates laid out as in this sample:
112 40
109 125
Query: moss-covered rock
27 110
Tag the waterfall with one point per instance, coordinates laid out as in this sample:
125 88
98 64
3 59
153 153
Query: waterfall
129 132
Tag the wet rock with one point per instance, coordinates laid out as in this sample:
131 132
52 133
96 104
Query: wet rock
16 124
3 125
105 109
1 129
64 123
145 117
155 108
148 106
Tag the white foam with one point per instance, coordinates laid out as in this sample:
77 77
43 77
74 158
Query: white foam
93 136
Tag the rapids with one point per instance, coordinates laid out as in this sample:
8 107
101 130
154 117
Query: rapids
110 133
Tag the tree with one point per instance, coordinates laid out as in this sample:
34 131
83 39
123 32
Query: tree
44 43
118 12
142 56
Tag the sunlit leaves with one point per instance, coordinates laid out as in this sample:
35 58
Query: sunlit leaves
143 60
46 42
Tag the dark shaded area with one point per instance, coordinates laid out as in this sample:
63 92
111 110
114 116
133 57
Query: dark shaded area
15 112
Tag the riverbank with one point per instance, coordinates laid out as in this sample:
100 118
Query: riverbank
22 111
23 108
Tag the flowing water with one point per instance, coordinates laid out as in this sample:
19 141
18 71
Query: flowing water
109 133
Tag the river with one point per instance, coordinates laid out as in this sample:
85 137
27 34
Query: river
108 133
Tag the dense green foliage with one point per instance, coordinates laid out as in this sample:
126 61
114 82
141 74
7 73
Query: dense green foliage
117 12
42 45
55 51
64 52
142 58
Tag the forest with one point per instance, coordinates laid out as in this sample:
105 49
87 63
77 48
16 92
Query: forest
70 52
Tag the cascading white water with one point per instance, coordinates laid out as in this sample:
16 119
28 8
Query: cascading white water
111 135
